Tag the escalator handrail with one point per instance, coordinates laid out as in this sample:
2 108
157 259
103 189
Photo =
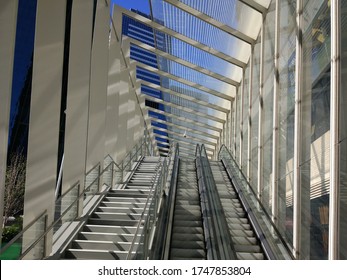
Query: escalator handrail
218 241
266 241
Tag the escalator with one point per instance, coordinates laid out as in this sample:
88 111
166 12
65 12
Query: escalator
187 236
244 241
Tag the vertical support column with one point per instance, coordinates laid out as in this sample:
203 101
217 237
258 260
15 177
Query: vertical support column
275 137
335 91
297 133
261 114
241 115
235 120
112 111
8 23
45 114
122 89
249 149
231 130
98 87
76 129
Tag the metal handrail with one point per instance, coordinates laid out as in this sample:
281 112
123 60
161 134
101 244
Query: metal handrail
221 246
266 239
169 206
150 197
55 222
21 233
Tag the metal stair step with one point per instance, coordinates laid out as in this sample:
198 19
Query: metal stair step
123 204
97 221
124 199
114 237
120 210
116 216
81 254
110 229
102 245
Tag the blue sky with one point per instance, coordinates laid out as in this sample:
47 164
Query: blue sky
141 5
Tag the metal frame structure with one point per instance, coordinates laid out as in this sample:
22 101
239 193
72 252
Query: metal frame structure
107 108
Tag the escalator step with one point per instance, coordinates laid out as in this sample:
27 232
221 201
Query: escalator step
188 230
187 253
187 237
180 244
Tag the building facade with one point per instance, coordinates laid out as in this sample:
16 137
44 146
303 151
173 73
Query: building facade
266 79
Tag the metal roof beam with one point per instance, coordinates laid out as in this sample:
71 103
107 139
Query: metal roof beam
181 37
183 108
195 139
222 26
183 81
205 134
184 119
184 63
186 140
254 5
186 97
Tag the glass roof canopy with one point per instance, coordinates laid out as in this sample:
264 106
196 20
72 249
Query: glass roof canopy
201 48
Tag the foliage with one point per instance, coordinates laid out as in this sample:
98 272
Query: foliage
14 186
10 231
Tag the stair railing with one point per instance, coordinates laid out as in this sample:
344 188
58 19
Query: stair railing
218 241
141 240
164 228
32 239
144 239
271 240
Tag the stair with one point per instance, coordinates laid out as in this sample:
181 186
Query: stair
110 229
187 238
244 240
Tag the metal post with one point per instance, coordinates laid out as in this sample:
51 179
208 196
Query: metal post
241 116
275 132
261 114
230 133
297 133
235 120
249 148
335 91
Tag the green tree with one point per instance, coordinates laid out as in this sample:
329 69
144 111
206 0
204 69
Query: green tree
14 186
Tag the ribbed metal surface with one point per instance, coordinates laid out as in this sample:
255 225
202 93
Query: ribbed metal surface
187 240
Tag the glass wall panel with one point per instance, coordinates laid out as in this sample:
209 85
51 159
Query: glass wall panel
245 120
286 117
255 115
269 44
315 168
343 135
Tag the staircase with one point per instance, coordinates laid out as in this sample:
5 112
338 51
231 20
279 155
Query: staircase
187 239
110 230
244 240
